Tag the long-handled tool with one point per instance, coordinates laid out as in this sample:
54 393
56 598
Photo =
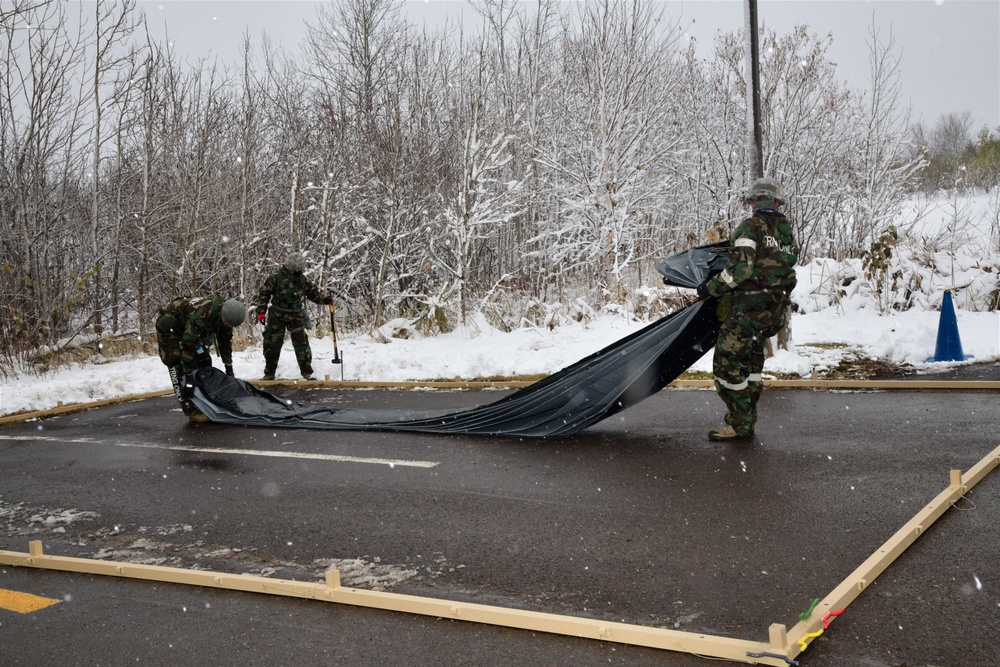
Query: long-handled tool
337 359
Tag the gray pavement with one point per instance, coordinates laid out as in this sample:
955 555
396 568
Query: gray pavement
638 519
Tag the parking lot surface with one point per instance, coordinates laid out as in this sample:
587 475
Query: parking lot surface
639 519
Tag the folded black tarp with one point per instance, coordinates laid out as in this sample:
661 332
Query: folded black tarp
619 376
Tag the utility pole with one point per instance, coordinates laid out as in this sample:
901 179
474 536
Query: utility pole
755 154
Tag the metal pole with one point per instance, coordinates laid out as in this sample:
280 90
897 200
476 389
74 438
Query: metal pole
755 153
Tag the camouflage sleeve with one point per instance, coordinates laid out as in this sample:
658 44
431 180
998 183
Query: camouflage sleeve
742 255
224 341
312 292
264 295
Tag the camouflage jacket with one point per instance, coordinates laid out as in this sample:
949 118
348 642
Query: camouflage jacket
199 323
762 256
286 291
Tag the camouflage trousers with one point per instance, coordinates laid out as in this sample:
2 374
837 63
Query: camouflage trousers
274 337
177 383
738 362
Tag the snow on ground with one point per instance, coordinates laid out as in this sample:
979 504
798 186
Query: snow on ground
820 340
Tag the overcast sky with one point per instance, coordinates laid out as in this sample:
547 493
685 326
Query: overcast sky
949 49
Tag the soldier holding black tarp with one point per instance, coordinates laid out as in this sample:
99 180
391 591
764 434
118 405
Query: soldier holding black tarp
186 329
754 290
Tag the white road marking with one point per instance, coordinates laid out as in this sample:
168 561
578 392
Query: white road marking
49 439
244 452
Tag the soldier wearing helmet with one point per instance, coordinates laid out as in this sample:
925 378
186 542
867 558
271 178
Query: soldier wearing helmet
755 289
282 302
186 329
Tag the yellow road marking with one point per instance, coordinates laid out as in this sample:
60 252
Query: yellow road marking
23 603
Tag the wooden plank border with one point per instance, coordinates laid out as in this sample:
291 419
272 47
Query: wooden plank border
71 408
804 631
332 591
909 385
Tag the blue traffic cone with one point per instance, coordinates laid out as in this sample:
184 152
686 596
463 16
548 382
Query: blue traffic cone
949 345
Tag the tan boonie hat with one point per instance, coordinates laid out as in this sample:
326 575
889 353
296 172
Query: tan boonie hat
766 189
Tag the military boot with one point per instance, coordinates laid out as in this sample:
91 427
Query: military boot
198 417
727 432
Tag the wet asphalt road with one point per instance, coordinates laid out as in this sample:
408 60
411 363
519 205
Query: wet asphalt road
638 519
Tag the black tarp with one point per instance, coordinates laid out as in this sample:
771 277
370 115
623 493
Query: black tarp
594 388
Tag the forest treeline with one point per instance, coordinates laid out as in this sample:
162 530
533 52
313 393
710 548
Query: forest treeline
543 156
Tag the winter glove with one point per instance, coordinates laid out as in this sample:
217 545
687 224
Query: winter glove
229 371
703 292
260 318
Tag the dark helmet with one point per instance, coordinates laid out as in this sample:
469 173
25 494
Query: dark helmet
295 262
765 190
233 312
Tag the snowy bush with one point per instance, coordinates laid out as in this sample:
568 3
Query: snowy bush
400 328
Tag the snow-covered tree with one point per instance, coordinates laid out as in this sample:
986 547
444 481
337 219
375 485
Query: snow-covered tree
484 204
886 169
605 163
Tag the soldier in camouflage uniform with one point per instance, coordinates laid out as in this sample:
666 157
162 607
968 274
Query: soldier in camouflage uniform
186 328
755 288
286 290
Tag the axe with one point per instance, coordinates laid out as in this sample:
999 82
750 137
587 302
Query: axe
337 359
